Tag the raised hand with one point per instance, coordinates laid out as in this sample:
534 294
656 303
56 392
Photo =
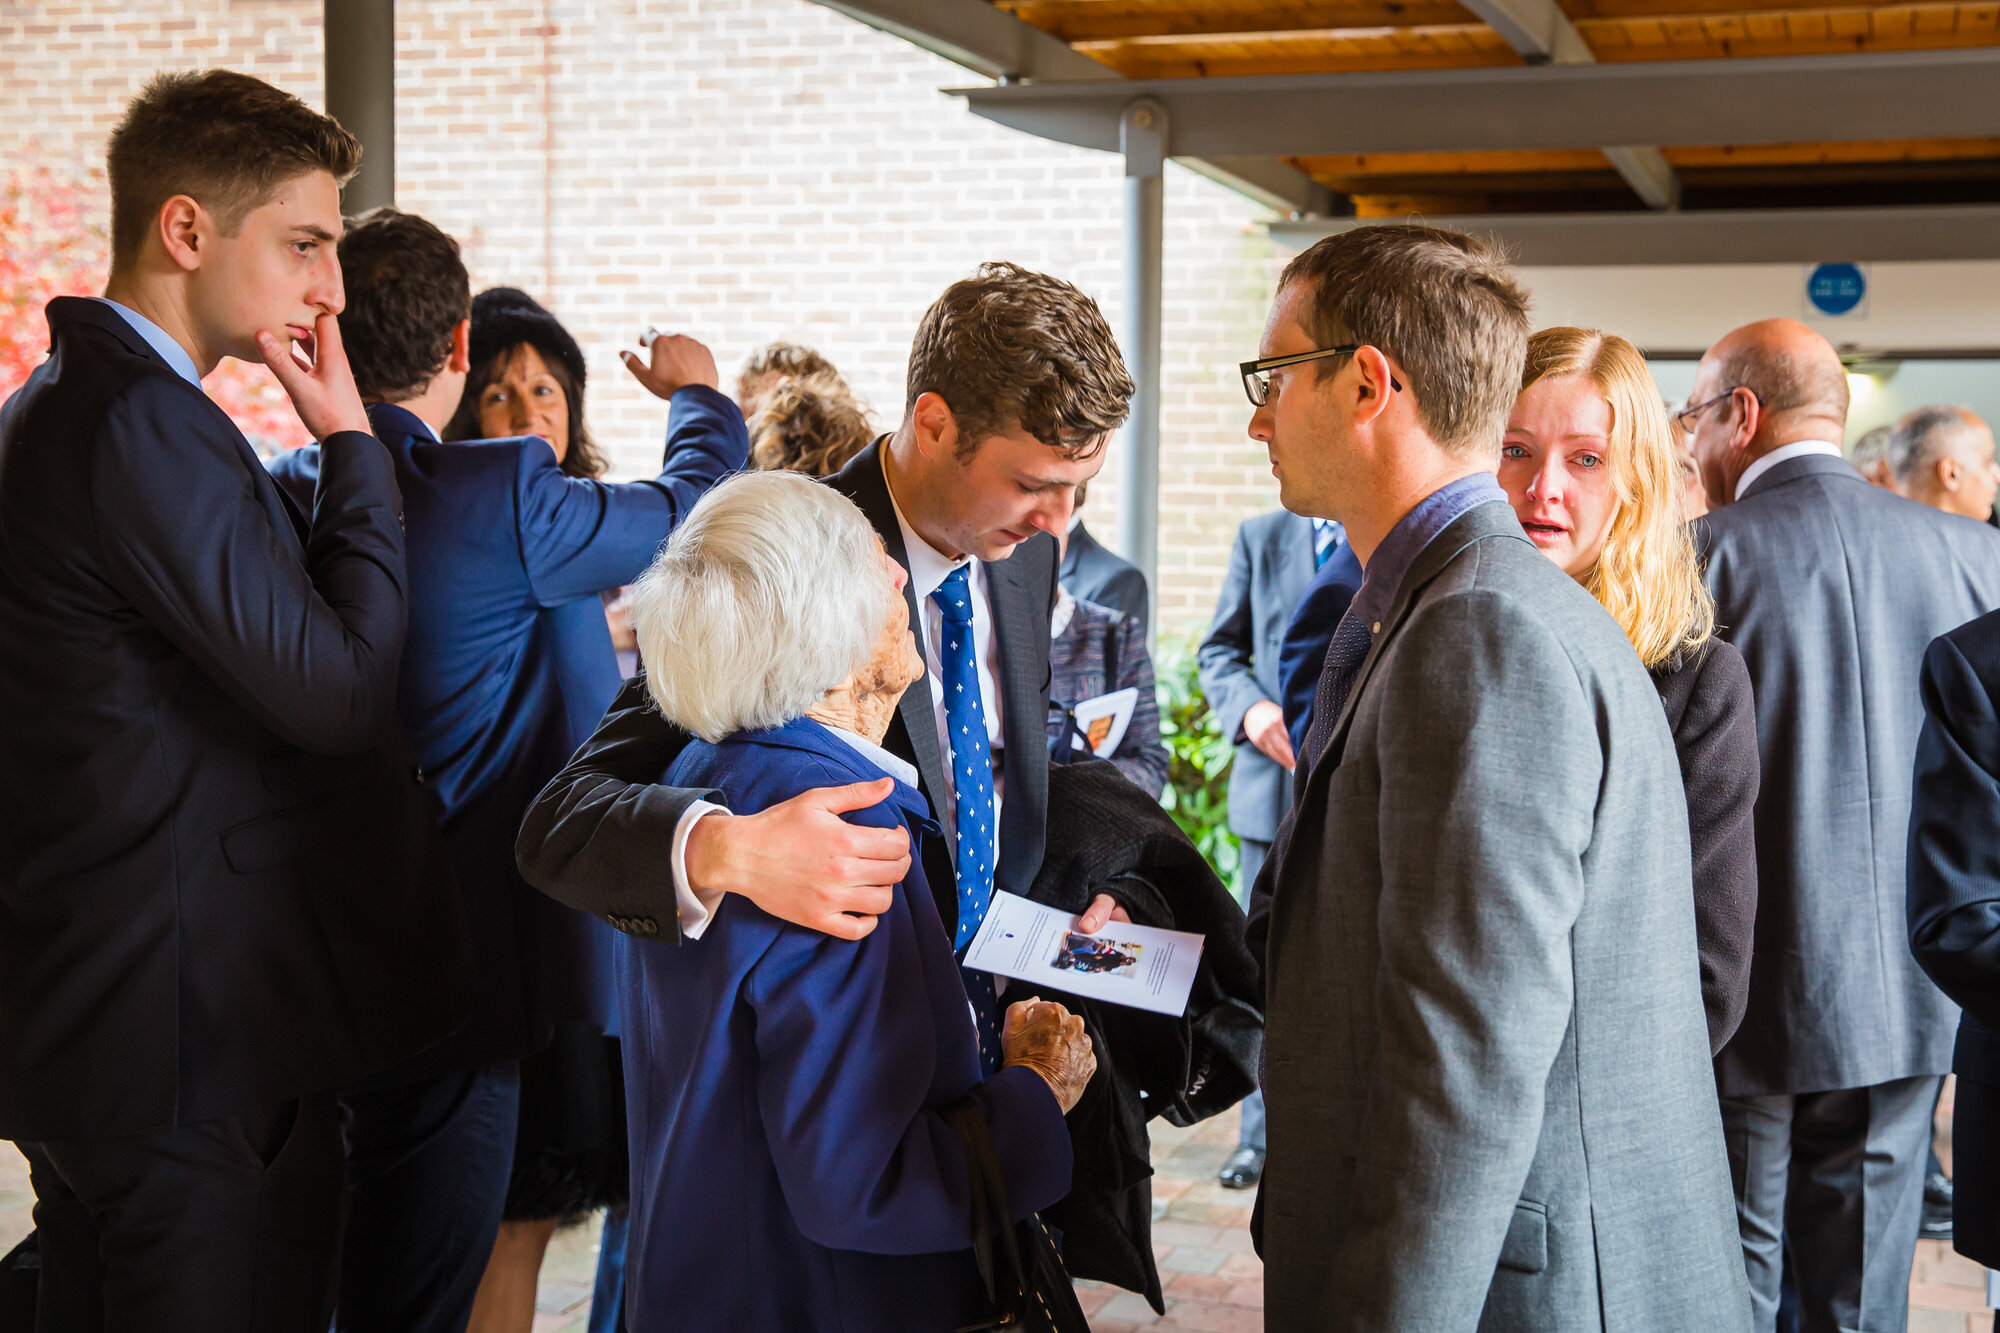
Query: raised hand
316 377
676 361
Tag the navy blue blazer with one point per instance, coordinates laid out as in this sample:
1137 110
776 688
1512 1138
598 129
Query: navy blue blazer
1954 851
790 1169
1303 652
508 667
220 882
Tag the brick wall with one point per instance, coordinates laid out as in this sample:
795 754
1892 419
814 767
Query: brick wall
738 169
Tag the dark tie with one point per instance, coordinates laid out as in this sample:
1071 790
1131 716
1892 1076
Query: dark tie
1344 656
972 775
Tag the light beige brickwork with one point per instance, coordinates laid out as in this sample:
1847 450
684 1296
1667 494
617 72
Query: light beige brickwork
739 169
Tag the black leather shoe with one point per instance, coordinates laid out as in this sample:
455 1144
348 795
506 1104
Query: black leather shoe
1243 1170
1937 1207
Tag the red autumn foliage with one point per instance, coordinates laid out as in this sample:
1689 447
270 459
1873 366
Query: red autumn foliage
52 245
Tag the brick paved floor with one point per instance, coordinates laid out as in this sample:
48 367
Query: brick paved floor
1214 1283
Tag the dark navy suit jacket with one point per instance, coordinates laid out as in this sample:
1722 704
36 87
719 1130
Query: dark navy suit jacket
1303 652
790 1167
220 882
509 665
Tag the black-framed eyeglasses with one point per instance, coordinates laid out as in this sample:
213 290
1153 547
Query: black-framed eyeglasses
1257 374
1688 417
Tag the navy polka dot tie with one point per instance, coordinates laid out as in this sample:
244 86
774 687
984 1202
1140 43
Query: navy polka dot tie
972 775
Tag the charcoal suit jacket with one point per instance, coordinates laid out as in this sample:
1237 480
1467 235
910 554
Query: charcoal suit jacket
1832 589
600 835
221 884
1488 1074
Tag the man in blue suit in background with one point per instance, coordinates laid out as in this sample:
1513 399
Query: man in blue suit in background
508 665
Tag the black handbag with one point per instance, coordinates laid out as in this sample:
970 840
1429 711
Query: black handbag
1025 1280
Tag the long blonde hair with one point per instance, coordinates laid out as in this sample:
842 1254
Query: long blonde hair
1647 575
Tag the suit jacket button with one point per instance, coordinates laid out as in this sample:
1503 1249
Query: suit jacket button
418 776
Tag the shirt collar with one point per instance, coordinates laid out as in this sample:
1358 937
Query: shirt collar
1417 529
898 768
1784 453
171 352
928 566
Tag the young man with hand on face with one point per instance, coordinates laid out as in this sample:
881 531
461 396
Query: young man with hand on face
221 894
1014 387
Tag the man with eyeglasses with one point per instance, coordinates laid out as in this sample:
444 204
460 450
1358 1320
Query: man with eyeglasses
1831 588
1490 1102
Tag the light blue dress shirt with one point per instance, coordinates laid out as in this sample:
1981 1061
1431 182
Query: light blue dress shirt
156 337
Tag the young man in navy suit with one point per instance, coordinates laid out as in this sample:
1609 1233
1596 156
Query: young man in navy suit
221 891
1014 387
507 666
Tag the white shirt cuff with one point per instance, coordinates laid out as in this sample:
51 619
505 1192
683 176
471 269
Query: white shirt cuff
696 906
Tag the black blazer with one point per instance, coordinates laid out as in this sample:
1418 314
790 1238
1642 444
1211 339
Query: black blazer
1094 574
1714 721
600 835
220 882
1953 901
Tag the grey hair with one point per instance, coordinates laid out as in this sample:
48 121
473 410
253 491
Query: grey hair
1922 436
1870 449
768 594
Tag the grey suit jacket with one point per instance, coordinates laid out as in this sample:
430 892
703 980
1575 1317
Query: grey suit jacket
1832 589
1269 567
1488 1077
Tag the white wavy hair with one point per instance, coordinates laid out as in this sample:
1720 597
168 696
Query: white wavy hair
768 594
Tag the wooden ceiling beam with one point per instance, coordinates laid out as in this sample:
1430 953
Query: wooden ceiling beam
1124 19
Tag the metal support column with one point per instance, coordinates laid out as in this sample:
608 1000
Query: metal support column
361 94
1143 136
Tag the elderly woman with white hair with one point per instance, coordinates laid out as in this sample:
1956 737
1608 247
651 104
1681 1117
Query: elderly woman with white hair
792 1164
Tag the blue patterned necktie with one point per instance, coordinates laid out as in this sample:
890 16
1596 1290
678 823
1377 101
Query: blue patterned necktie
1344 656
971 763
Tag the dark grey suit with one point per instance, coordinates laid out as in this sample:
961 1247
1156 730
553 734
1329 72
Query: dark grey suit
1270 565
1488 1073
1094 574
1832 589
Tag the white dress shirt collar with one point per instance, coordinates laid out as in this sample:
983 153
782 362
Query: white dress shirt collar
900 769
928 566
1784 453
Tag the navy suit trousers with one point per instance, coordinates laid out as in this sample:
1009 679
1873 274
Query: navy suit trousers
427 1166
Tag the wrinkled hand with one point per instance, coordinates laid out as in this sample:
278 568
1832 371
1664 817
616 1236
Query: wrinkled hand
1050 1040
1264 725
676 362
316 377
801 862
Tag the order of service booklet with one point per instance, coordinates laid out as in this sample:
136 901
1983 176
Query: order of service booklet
1141 966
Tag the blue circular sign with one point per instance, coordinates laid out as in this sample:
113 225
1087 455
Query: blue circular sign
1836 289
